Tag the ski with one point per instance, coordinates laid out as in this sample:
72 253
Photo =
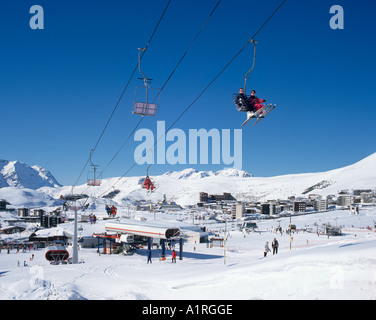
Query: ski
255 115
267 112
270 109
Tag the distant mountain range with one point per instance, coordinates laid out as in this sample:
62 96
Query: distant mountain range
185 186
19 174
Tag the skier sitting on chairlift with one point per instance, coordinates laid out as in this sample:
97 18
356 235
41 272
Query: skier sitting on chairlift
255 102
242 101
113 211
148 184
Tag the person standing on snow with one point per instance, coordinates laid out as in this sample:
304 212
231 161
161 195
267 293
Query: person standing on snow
174 254
267 249
149 256
275 246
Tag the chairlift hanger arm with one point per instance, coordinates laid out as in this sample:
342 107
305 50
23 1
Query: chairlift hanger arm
147 170
146 80
253 65
91 163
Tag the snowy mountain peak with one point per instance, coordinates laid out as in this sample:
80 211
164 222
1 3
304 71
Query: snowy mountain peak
191 173
233 173
21 175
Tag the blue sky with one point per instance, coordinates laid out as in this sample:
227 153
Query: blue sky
59 85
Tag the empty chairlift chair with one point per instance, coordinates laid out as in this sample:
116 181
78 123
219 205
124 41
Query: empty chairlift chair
146 99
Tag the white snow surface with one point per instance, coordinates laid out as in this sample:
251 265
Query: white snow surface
28 198
316 267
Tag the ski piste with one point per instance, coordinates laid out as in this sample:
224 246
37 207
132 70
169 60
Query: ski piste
256 114
270 108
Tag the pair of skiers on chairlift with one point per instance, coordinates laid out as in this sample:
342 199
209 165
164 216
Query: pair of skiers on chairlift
251 105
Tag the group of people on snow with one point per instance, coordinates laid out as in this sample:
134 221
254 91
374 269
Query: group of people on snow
249 104
275 246
173 256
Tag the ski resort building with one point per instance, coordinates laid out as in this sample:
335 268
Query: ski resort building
269 208
299 206
164 205
23 212
204 197
3 205
345 200
368 197
238 210
12 229
321 204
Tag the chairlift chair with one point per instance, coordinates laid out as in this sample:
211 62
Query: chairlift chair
94 182
146 99
152 180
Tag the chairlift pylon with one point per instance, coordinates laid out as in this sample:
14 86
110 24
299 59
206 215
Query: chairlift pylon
146 99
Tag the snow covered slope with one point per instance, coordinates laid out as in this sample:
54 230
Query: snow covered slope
29 198
19 174
316 267
185 186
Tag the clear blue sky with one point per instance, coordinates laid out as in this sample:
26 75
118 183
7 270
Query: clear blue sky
58 86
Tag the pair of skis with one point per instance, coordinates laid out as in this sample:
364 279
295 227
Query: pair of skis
149 192
260 114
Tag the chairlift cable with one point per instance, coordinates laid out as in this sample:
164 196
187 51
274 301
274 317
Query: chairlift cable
205 89
136 67
251 40
168 79
191 44
122 146
125 88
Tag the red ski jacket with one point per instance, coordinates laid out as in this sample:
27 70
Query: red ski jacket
256 100
147 182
